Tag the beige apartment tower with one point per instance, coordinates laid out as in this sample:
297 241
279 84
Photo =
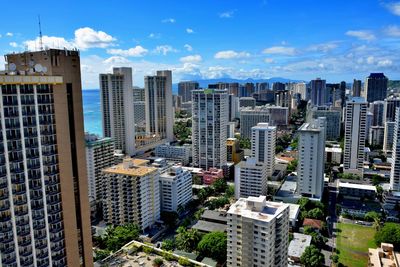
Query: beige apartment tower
44 213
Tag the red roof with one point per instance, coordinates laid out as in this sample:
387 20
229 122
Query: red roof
312 223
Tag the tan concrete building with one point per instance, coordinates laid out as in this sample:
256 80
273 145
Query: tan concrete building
131 193
385 256
43 149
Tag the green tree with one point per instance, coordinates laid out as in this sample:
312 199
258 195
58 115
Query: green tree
101 254
230 191
334 258
312 257
187 240
244 143
379 192
389 233
292 165
197 214
372 216
315 213
219 185
213 245
376 179
118 236
168 244
158 262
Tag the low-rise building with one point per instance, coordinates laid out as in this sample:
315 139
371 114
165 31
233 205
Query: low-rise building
297 247
178 154
175 188
210 176
385 256
334 154
352 190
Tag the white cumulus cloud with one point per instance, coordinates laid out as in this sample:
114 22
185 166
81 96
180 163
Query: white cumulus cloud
164 49
168 20
49 42
191 59
280 50
394 7
231 54
227 14
87 38
392 30
189 30
361 34
9 34
13 44
137 51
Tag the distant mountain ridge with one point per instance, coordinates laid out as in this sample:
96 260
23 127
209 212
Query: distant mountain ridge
204 83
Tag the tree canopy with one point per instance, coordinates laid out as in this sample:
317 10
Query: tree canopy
312 257
187 240
213 245
389 233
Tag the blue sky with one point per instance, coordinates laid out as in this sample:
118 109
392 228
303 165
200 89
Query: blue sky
333 39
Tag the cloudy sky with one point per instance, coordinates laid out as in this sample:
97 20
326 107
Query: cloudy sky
333 39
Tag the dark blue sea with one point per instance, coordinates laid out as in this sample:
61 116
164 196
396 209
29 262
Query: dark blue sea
92 111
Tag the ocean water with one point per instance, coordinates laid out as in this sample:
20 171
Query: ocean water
92 111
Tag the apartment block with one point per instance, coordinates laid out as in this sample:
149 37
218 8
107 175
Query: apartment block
258 233
131 193
210 119
178 154
311 165
175 188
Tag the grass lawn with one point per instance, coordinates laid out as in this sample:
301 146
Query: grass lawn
353 242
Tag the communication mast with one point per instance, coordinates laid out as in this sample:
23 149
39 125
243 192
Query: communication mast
40 35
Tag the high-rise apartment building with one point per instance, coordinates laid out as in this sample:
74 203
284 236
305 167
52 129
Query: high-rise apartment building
210 117
263 143
377 109
185 90
389 110
159 108
131 193
175 188
333 120
356 88
318 92
44 205
117 105
395 170
355 135
233 152
388 136
273 115
311 165
99 155
375 87
258 233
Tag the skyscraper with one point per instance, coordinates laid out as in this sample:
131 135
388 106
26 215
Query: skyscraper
159 108
356 89
395 170
263 143
389 110
258 233
355 135
318 92
45 214
375 87
377 109
185 90
311 166
210 117
117 98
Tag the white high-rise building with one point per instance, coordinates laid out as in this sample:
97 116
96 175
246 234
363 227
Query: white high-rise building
131 193
175 188
311 165
395 170
210 119
388 136
250 178
263 142
99 155
258 233
116 92
355 135
159 106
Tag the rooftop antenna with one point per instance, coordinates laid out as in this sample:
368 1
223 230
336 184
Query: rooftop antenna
40 35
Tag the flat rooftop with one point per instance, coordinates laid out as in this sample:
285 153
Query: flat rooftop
288 187
208 227
357 186
219 216
131 167
298 245
257 208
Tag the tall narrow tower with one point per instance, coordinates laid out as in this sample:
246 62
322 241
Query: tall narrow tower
45 214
